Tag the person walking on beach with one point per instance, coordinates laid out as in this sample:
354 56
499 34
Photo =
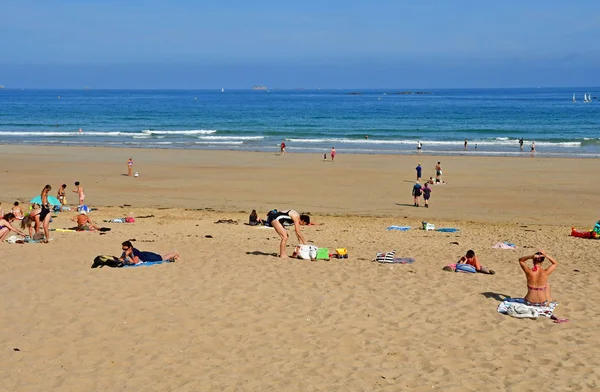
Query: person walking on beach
333 153
419 170
521 143
532 147
45 213
130 167
416 192
283 148
466 144
426 193
419 147
79 192
290 217
438 172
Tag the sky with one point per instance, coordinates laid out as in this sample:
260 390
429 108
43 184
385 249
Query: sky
236 44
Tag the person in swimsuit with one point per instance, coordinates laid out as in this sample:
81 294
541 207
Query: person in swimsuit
32 220
1 210
471 259
132 255
333 153
532 147
419 147
79 191
282 148
84 222
45 214
538 288
130 167
438 172
290 217
6 226
17 211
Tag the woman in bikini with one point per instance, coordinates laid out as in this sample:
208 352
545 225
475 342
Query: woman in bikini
17 211
6 226
61 195
79 191
538 288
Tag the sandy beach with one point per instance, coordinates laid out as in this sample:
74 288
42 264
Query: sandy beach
229 316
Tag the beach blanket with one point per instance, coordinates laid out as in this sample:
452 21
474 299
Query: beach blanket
546 311
504 245
399 228
447 230
147 263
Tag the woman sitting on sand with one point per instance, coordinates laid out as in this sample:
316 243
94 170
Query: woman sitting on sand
538 289
17 211
6 226
132 255
471 259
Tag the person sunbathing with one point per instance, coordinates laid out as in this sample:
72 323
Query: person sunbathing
471 259
538 288
132 255
84 222
6 226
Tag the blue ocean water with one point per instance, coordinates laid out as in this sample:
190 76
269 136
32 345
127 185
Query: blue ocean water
492 120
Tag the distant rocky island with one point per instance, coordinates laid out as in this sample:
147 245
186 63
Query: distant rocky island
1 86
259 88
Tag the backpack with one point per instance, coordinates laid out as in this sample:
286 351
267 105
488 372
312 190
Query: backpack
307 252
107 261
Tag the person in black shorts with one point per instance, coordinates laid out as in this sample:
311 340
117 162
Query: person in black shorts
278 219
45 213
426 194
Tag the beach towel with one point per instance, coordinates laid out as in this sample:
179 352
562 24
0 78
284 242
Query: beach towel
147 263
385 257
447 230
504 245
114 262
398 260
399 228
546 311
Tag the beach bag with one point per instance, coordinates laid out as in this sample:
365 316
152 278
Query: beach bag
322 254
428 226
83 208
385 257
107 261
465 268
307 252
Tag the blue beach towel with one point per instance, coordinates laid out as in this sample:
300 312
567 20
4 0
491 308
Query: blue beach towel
399 228
147 263
447 230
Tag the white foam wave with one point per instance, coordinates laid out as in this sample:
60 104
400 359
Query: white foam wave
432 142
231 137
232 143
62 134
189 132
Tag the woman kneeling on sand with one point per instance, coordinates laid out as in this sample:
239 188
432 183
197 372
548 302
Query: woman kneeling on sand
6 226
132 255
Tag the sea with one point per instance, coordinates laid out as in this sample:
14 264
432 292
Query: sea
389 121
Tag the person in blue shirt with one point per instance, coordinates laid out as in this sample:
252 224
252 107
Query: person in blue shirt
416 192
418 169
132 255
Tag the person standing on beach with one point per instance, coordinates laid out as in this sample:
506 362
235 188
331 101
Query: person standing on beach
416 192
130 167
333 153
419 170
45 213
283 148
426 193
466 144
521 143
61 195
419 147
79 191
438 172
532 147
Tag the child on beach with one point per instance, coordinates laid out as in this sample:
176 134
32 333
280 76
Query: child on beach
61 196
471 259
332 153
419 169
130 167
426 194
79 191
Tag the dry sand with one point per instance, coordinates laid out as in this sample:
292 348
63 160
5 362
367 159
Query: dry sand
231 317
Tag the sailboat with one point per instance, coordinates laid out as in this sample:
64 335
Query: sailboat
585 98
222 90
574 100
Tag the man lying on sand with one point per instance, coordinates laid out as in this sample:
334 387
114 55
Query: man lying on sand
84 222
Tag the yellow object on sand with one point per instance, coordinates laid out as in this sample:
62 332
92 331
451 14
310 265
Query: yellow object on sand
65 230
341 251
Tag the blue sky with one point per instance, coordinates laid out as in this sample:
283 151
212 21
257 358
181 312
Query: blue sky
327 44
